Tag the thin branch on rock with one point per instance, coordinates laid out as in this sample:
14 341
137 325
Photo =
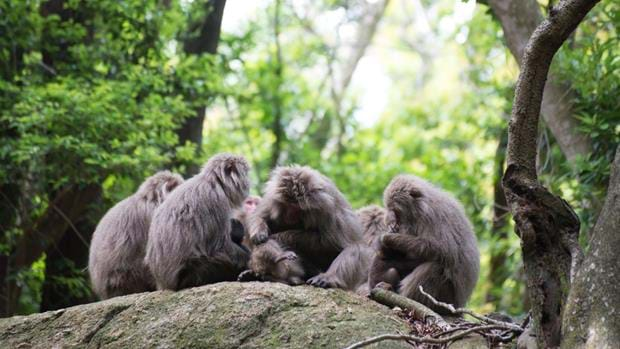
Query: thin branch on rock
460 311
429 340
418 311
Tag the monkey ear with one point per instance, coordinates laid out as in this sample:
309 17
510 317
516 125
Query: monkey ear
415 193
170 185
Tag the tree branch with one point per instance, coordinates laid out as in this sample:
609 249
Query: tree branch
548 227
519 19
418 311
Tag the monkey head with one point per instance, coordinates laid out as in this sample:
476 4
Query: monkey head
250 204
231 173
270 263
406 200
157 187
301 187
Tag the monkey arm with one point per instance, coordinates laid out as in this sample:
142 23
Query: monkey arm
259 229
348 271
410 247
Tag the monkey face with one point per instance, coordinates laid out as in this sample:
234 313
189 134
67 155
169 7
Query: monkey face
392 221
275 265
250 204
285 272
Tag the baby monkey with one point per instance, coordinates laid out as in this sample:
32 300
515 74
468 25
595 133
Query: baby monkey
268 261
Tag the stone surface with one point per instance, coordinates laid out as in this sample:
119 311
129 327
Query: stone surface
223 315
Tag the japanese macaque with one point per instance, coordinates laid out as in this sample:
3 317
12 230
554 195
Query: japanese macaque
190 240
270 262
372 219
240 218
430 244
116 258
304 212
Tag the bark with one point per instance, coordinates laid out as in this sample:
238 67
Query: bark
547 225
592 316
497 265
519 19
277 127
204 43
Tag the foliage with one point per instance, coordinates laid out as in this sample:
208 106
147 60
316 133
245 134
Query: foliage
590 61
94 94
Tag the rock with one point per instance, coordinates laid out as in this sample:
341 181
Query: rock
223 315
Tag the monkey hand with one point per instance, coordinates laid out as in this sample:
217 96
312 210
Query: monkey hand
288 255
324 281
260 237
385 285
248 275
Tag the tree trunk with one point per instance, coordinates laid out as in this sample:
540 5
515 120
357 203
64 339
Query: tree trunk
204 43
592 316
365 33
548 227
68 259
519 20
497 264
277 127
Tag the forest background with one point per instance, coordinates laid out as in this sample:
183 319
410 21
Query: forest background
98 95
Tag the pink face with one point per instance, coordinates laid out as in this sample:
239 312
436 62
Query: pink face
249 205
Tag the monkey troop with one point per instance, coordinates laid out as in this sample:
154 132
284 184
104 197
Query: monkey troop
173 234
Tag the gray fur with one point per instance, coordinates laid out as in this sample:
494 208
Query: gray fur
304 212
189 240
372 219
117 249
432 238
270 262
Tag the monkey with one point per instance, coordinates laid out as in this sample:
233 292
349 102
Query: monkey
190 241
430 243
372 219
268 261
117 249
239 222
304 212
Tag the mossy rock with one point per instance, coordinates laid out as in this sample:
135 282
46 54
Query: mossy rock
223 315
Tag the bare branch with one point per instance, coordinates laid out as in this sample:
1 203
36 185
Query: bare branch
430 340
419 311
460 311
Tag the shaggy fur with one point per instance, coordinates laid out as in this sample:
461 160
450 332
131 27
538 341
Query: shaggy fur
372 219
432 244
115 262
305 213
190 240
